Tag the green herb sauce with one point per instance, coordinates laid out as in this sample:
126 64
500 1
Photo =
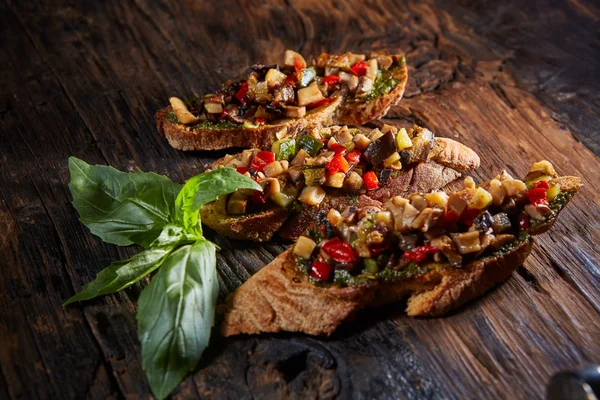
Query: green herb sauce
555 205
208 125
383 84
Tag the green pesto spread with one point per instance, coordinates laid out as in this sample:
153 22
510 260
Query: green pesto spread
208 125
383 84
555 205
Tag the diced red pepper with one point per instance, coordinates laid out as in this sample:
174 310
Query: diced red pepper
370 180
223 114
291 80
258 197
260 121
339 251
523 221
449 218
338 163
320 103
242 170
338 148
268 156
262 159
537 196
359 68
541 184
298 65
320 270
353 157
418 254
242 92
378 249
331 80
324 141
468 216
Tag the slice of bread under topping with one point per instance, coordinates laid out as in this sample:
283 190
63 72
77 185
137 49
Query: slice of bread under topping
283 297
276 102
437 162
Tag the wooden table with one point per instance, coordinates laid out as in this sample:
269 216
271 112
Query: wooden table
515 81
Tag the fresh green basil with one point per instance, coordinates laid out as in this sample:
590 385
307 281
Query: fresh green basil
176 314
119 206
207 187
177 309
122 274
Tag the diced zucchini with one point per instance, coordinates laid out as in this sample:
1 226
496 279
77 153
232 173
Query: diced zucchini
553 191
312 195
304 247
371 266
394 158
309 144
314 176
439 199
353 183
375 134
285 149
282 200
306 76
335 180
361 141
403 140
481 199
236 204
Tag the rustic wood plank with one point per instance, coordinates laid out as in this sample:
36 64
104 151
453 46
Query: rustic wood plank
85 79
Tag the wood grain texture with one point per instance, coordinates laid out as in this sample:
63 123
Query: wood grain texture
85 78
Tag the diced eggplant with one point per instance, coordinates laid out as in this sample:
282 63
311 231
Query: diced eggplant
380 149
300 156
262 92
273 169
294 112
539 169
501 240
284 95
290 58
361 141
428 218
483 222
501 223
335 180
385 176
467 242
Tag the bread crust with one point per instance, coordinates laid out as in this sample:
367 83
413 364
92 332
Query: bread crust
183 137
281 298
360 112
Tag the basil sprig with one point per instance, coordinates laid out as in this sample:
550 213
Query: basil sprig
177 309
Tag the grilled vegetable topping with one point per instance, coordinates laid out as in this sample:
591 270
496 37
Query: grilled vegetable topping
271 93
423 231
300 169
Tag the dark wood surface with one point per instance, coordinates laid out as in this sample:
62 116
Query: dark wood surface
514 80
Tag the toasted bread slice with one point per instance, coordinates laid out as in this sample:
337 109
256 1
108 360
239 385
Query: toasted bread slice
282 297
359 112
195 137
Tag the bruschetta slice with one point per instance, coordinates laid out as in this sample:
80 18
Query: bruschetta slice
278 101
437 249
332 167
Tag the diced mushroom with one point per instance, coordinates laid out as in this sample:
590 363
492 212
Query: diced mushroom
283 95
418 201
501 223
304 247
299 158
353 183
331 71
497 191
408 216
345 77
290 57
273 169
467 242
537 212
312 195
343 135
262 92
353 83
334 216
181 111
371 69
428 218
446 247
271 186
513 186
365 85
458 201
384 62
354 58
295 173
309 94
501 240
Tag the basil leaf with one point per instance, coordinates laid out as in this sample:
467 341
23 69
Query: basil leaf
121 274
176 313
122 208
207 187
